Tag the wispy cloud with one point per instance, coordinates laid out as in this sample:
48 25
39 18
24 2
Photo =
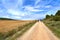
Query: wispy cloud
33 17
28 9
36 2
12 3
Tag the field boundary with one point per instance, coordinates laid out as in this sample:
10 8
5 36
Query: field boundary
21 32
54 26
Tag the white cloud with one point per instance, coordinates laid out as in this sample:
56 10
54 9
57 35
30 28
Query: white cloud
12 3
5 16
14 9
36 10
15 12
34 17
30 8
48 6
16 17
36 2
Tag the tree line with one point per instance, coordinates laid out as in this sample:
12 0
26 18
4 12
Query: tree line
55 17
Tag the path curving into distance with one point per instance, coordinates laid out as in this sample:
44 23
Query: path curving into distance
38 32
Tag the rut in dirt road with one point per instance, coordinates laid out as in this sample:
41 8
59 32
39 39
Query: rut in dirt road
38 32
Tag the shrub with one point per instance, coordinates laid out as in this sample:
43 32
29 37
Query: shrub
58 13
56 18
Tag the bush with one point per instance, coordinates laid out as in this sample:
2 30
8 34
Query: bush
58 13
56 18
47 16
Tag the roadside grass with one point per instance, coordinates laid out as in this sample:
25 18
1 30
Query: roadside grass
1 36
54 26
13 34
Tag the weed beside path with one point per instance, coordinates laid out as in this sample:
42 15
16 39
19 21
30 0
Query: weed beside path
54 26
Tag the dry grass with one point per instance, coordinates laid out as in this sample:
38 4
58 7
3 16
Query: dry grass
8 25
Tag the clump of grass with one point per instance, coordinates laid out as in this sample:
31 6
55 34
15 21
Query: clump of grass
8 34
1 36
54 26
12 35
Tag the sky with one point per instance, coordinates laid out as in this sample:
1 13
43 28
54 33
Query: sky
28 9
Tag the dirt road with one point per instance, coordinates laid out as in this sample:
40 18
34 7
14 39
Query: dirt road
38 32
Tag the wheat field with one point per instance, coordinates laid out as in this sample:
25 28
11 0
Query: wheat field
8 25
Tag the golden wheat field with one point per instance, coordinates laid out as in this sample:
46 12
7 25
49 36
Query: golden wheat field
8 25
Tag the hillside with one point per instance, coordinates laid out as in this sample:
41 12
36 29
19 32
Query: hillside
53 22
55 17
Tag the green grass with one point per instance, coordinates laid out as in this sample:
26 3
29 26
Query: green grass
54 26
1 36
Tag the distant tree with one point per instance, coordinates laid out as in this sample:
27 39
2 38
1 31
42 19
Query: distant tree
58 13
52 15
56 18
48 16
6 19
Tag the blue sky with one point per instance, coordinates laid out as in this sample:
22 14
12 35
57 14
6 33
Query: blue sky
28 9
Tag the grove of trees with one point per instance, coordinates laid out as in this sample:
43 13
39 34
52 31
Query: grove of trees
55 17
